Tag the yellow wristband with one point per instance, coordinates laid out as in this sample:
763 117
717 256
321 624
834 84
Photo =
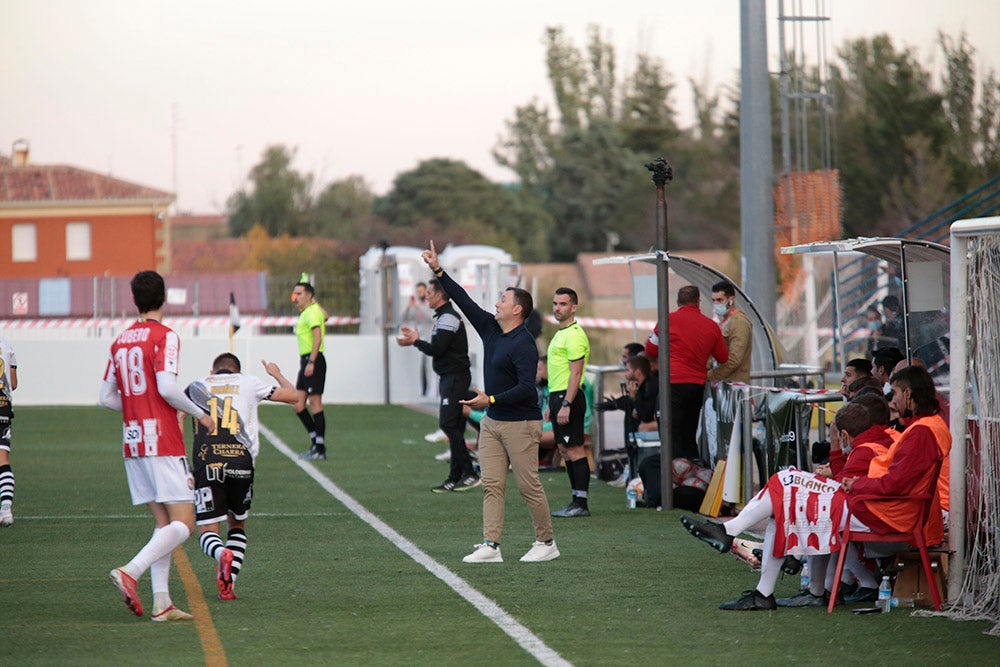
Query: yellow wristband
493 399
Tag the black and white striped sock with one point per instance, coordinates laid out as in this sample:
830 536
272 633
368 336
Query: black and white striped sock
237 543
211 544
6 485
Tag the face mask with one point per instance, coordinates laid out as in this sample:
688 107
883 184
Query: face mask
873 325
720 309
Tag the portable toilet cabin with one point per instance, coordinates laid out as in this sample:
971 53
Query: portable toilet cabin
484 271
392 284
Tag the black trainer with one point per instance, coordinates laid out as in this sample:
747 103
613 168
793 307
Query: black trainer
713 534
467 483
314 453
751 601
447 487
571 510
803 599
862 595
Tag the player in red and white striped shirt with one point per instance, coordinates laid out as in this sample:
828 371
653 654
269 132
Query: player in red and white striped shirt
141 383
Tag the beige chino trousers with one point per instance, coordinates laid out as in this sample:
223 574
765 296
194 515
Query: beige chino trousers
514 443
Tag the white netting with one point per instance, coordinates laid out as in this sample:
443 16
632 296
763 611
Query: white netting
979 595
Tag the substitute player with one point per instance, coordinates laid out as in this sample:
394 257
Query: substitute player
224 457
8 383
568 353
141 383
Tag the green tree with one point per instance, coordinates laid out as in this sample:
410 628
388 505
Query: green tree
648 120
278 198
343 209
452 197
886 100
588 188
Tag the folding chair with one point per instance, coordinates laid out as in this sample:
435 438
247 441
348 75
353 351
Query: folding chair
915 537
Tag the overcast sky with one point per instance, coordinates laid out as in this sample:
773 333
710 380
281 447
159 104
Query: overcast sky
184 95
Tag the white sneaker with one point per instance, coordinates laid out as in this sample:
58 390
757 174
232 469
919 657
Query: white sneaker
443 456
540 551
6 516
436 436
485 553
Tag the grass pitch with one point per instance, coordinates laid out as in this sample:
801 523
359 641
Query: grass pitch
321 586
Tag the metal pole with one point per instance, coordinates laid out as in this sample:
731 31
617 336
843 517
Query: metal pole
756 164
663 173
386 319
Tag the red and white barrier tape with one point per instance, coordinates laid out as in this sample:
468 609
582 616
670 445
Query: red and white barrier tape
610 323
123 322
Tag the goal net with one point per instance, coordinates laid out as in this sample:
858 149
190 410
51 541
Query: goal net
974 534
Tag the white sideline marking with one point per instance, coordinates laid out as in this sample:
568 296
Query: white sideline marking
525 638
145 517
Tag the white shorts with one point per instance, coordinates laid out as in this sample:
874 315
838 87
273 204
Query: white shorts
161 479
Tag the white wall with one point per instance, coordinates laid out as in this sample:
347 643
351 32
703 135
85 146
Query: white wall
69 371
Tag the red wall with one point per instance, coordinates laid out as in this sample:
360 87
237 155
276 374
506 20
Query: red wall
119 245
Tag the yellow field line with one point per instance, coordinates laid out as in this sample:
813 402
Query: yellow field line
211 645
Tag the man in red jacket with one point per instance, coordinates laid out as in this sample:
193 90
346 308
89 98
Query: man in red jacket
694 339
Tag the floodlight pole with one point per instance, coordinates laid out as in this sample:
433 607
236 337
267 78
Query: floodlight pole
663 173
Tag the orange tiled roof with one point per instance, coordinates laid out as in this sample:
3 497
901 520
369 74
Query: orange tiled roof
198 220
54 183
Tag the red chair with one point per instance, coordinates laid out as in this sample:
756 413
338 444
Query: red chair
914 537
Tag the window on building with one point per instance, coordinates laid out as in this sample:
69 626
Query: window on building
78 241
24 242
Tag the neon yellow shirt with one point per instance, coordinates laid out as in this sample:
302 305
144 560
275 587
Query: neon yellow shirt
569 344
310 318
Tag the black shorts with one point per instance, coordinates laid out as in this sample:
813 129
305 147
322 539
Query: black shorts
312 385
572 434
223 482
5 432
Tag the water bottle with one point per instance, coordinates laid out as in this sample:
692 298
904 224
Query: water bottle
630 497
885 595
804 576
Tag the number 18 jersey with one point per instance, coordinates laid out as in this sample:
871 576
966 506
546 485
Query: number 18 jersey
149 424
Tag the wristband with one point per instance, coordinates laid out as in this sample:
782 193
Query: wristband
438 272
565 403
310 361
493 399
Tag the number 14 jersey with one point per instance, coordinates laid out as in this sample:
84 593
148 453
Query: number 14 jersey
149 424
231 401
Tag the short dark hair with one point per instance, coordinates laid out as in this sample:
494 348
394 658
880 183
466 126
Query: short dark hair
571 293
921 386
435 284
875 403
688 296
522 297
887 358
725 287
148 291
861 365
864 382
853 418
227 361
891 302
633 348
640 363
307 287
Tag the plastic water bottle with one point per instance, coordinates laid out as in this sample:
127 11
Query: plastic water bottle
630 497
804 576
885 595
